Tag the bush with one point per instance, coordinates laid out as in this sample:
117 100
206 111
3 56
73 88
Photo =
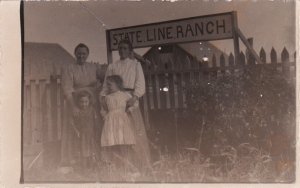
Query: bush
255 106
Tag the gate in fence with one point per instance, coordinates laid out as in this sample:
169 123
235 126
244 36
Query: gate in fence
43 113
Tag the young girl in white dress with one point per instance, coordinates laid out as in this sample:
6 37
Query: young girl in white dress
130 70
118 135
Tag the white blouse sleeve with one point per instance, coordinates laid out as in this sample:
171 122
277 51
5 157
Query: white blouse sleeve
139 85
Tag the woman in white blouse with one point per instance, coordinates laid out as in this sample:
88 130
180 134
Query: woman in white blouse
130 70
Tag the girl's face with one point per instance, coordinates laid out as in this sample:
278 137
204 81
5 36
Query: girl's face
84 102
112 86
81 55
124 51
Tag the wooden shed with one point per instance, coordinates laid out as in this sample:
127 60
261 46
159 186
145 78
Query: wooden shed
44 59
42 100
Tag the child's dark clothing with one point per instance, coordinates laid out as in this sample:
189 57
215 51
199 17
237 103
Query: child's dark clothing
85 122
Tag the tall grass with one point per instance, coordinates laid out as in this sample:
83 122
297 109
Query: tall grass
242 164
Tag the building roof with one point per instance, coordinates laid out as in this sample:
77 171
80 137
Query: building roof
44 59
199 50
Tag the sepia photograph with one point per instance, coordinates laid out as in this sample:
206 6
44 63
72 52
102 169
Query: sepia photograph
158 91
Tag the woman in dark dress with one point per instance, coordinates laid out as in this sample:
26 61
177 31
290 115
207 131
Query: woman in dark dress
77 76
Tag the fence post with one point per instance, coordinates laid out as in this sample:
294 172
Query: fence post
214 72
60 105
249 57
48 132
273 56
285 61
27 113
231 63
222 64
54 106
262 55
242 61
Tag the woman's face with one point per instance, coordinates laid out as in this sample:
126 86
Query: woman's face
81 55
124 51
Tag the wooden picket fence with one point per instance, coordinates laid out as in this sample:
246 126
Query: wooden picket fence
43 111
43 102
43 106
166 84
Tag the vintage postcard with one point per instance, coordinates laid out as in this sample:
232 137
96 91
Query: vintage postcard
148 93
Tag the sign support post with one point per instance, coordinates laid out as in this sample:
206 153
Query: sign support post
248 45
108 48
236 43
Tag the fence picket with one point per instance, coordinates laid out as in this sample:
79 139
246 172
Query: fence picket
214 73
222 64
285 59
171 87
273 55
262 55
33 110
231 63
250 59
242 59
186 81
149 92
27 114
63 102
162 95
59 109
154 91
42 111
179 81
197 70
36 114
49 131
54 106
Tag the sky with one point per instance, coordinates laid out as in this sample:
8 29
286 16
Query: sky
270 23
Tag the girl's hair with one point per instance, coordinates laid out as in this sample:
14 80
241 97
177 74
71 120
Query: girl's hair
81 45
126 41
81 94
116 79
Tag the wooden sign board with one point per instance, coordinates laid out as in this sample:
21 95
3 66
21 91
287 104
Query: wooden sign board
201 28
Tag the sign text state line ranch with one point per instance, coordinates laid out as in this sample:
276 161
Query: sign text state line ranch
189 30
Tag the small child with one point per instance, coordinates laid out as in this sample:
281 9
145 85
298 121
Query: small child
84 123
118 133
